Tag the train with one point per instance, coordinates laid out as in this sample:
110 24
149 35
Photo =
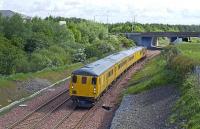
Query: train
89 82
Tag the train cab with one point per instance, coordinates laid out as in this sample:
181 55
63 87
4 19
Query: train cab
83 89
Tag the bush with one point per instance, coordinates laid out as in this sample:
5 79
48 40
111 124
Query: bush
187 110
39 62
178 62
170 52
182 64
126 43
79 55
12 59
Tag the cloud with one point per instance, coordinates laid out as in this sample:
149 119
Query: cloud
1 4
151 11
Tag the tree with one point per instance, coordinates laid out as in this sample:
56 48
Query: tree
79 55
14 26
126 43
37 41
18 42
39 62
1 24
12 59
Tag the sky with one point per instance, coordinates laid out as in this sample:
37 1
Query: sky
112 11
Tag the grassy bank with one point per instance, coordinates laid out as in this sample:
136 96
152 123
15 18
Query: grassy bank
192 50
186 113
175 65
10 89
153 74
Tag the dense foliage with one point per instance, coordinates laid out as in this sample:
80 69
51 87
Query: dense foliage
137 27
32 45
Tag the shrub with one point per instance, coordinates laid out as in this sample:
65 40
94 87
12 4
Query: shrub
182 64
79 56
170 52
12 60
187 110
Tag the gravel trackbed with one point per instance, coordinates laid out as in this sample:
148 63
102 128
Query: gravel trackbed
148 110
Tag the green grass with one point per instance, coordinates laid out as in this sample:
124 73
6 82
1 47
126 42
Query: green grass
191 50
163 41
186 113
11 91
56 74
51 74
154 74
195 40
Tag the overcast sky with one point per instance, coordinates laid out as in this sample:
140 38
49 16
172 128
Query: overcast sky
145 11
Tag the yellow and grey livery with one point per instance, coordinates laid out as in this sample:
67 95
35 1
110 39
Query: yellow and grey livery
89 82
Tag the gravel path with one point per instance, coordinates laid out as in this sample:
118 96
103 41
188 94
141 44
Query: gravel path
148 110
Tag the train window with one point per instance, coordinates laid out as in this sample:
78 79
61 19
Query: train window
84 80
74 79
94 80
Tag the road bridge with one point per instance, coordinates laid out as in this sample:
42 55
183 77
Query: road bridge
150 39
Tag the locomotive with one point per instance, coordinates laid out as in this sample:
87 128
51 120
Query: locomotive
89 82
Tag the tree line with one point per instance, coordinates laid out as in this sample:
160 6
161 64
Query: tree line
36 44
138 27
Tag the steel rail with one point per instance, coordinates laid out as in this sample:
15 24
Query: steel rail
48 114
40 107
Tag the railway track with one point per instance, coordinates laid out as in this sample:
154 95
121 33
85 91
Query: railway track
100 102
88 113
64 118
91 112
33 119
83 117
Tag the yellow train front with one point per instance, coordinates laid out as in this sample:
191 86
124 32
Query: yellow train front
89 82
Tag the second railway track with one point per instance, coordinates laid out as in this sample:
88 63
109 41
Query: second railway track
34 117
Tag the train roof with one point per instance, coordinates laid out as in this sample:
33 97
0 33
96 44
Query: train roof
98 67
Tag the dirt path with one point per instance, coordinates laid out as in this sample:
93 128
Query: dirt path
148 110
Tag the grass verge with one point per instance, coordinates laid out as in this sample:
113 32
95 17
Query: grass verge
153 74
186 113
10 89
